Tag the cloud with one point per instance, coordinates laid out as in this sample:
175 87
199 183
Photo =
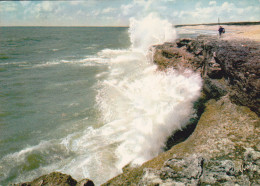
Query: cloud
108 10
126 9
96 12
75 2
47 6
82 3
213 3
8 7
139 8
226 12
25 3
226 6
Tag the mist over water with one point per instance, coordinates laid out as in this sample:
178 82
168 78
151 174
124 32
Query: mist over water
131 111
141 103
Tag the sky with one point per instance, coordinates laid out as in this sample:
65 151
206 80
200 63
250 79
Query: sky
118 12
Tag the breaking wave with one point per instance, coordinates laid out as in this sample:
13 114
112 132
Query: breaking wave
139 108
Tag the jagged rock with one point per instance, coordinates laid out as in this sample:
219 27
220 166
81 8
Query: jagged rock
215 88
224 132
226 139
196 170
85 182
56 178
251 166
235 61
219 171
184 171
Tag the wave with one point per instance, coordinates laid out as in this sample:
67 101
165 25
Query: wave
139 108
87 61
141 104
14 63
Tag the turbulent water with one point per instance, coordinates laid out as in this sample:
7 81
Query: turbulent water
87 101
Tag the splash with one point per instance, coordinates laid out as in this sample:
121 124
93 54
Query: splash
140 107
143 105
150 30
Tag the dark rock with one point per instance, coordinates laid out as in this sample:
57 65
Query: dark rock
251 165
222 136
183 170
183 42
56 178
85 182
218 171
214 88
225 142
196 170
238 62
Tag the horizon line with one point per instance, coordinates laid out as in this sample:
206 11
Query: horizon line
54 26
126 26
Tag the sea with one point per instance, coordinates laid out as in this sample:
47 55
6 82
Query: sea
86 101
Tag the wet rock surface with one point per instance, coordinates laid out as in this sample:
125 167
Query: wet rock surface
224 147
228 66
196 170
226 133
56 178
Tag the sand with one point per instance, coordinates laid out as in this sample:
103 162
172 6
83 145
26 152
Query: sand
240 32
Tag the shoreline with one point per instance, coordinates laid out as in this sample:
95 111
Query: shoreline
233 32
228 128
220 117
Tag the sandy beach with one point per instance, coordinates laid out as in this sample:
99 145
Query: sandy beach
240 32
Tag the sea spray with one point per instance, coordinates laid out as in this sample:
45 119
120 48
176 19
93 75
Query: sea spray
145 105
139 107
150 30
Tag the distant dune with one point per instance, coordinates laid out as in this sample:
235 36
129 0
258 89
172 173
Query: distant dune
242 30
228 23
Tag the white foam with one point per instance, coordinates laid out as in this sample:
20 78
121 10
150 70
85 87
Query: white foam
88 61
140 107
150 30
143 105
14 63
149 109
47 64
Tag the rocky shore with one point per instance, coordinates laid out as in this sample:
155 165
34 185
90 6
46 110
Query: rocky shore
222 145
224 148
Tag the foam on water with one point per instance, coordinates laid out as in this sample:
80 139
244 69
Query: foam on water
139 108
145 105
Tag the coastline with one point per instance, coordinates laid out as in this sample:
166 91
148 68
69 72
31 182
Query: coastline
244 32
227 130
213 138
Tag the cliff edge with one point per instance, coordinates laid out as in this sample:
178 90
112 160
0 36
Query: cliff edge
223 144
224 148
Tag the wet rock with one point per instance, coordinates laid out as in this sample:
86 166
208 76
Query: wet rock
235 61
222 135
215 88
251 166
85 182
56 178
219 171
187 170
196 170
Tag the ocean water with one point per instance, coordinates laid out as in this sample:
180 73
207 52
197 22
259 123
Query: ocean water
87 101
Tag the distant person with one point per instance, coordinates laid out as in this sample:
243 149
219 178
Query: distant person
221 30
